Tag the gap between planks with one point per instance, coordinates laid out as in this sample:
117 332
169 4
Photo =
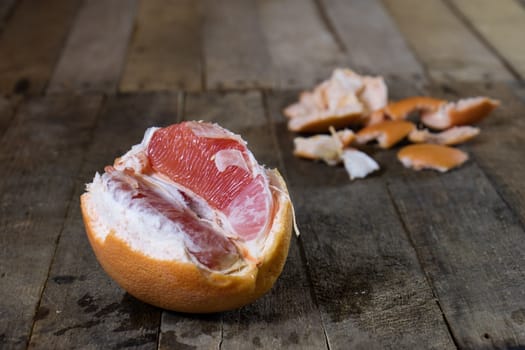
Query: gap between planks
302 252
66 216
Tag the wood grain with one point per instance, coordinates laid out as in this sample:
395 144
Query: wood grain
372 40
471 246
235 51
445 46
6 7
499 150
7 111
31 42
303 50
81 306
165 52
502 24
93 56
370 288
41 154
286 316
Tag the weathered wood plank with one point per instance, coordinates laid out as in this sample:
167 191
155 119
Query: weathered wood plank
502 24
40 155
500 149
81 306
444 45
7 111
284 318
6 7
235 51
188 331
303 50
93 55
469 239
518 89
31 42
471 246
165 52
367 279
372 40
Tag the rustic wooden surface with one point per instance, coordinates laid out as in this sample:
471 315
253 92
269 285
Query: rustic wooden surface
400 260
97 42
31 42
445 45
164 52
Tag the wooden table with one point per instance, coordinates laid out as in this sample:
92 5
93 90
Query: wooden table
400 260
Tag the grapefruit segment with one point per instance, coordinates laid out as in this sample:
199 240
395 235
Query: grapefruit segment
452 136
248 212
387 133
215 164
463 112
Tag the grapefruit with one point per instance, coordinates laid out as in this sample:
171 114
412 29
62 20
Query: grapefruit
188 220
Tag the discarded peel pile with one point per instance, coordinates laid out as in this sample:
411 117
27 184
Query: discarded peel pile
349 100
188 220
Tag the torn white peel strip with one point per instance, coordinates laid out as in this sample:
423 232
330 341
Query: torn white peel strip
358 164
287 197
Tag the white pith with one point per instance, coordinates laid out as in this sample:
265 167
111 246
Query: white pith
450 136
346 95
149 232
358 164
324 147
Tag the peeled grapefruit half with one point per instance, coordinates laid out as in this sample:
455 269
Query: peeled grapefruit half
188 220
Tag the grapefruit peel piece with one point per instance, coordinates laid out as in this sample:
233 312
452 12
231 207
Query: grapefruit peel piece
327 148
429 156
449 137
343 99
358 164
196 168
401 109
387 133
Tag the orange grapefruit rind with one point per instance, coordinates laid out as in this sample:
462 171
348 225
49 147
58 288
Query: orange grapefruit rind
430 156
399 110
